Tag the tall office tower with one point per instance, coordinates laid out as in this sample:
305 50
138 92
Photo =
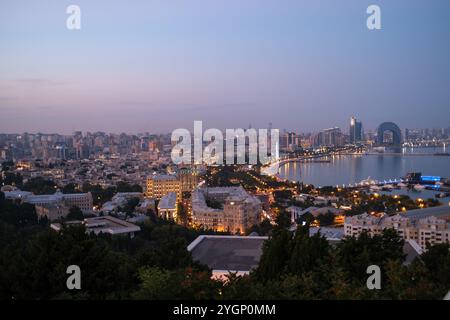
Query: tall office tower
356 134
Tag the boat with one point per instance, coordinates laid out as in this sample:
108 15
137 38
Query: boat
375 188
402 185
368 182
441 195
442 154
419 187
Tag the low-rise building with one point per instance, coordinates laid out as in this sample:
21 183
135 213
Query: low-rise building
225 254
105 224
167 206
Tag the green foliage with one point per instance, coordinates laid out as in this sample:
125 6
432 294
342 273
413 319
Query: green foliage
275 255
126 187
131 205
71 188
11 178
40 185
16 214
185 284
75 213
155 264
99 195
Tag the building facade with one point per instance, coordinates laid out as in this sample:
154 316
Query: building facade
160 185
56 205
168 207
225 209
356 133
427 230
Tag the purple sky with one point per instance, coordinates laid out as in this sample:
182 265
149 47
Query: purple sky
157 65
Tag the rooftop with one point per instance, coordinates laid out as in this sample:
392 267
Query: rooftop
163 177
438 212
105 224
169 201
228 253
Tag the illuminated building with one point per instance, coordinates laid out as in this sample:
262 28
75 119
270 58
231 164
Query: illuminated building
160 185
422 225
225 209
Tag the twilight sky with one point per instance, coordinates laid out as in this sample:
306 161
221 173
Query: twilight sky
157 65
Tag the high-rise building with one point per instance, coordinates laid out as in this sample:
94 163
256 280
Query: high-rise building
356 134
331 137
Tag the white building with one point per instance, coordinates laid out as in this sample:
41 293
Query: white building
105 224
234 209
56 205
167 206
420 225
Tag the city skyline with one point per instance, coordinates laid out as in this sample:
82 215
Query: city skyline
159 66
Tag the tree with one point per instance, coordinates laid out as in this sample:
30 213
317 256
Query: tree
39 185
357 253
437 262
126 187
182 215
308 252
283 219
75 213
160 284
71 188
12 178
326 219
131 205
18 215
275 256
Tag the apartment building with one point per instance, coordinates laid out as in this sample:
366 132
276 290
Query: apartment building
423 229
160 185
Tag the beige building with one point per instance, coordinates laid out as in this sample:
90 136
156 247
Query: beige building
188 178
423 230
225 209
52 211
160 185
83 201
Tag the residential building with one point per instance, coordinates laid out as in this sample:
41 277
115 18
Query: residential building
160 185
423 228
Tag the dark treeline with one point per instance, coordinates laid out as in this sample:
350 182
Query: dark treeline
156 265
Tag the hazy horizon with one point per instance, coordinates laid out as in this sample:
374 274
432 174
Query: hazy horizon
154 66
